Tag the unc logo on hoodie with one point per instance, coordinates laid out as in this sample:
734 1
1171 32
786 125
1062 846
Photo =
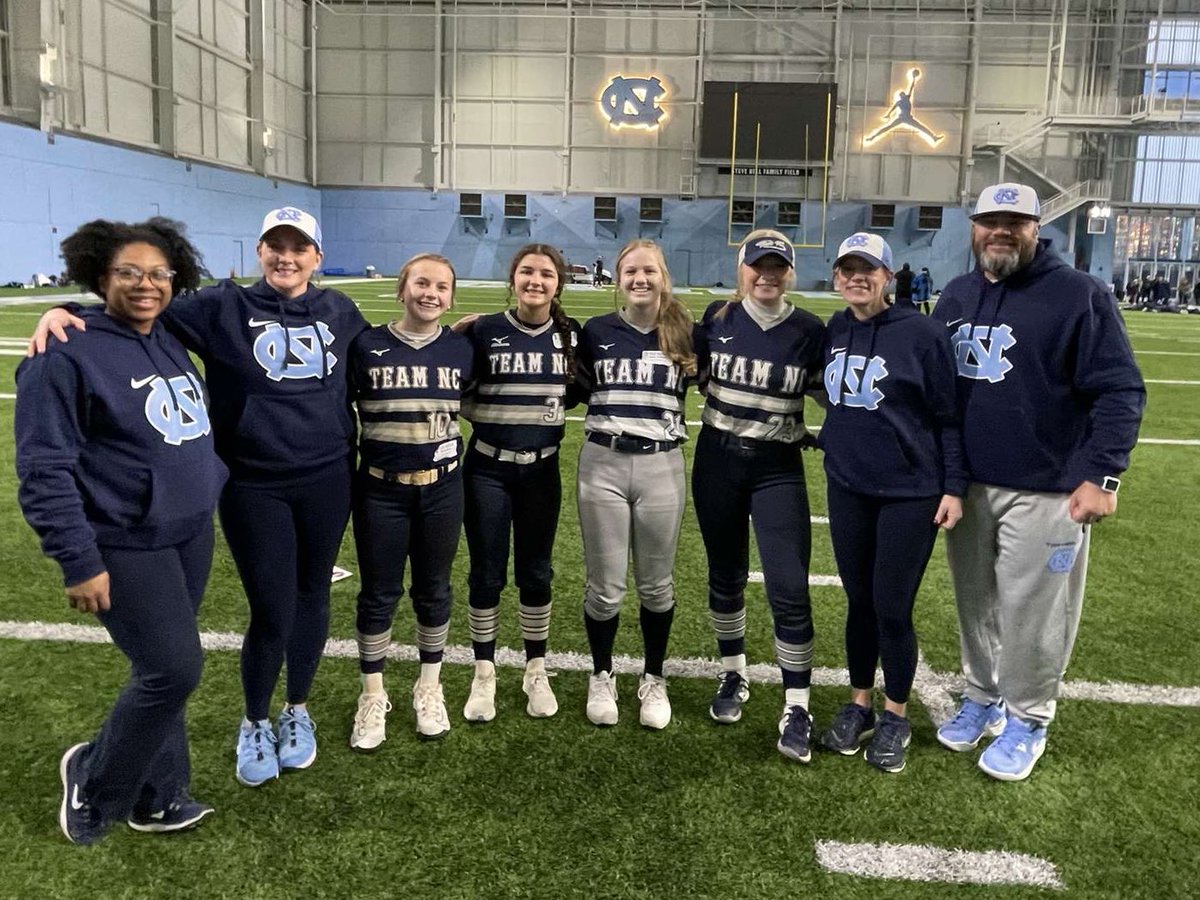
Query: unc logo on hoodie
850 380
175 407
979 351
294 353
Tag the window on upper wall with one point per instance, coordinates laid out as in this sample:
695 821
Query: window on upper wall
1166 170
929 218
742 212
1173 59
514 206
604 209
470 204
651 209
883 215
5 57
789 212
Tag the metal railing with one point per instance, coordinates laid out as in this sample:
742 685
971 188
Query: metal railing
1088 191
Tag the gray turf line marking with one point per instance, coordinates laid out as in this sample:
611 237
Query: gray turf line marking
920 862
929 683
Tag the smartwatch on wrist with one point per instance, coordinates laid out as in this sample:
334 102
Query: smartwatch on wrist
1110 484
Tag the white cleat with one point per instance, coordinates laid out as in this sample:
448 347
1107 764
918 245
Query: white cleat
430 705
656 705
370 721
602 699
542 702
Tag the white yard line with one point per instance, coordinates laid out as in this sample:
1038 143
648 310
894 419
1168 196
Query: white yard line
920 862
813 580
930 684
1168 381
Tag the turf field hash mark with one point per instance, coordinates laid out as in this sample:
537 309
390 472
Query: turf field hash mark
920 862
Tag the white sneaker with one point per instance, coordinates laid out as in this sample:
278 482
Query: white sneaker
656 706
481 704
430 704
602 699
370 721
542 702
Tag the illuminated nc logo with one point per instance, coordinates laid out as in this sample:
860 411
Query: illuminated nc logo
903 115
633 102
288 214
1006 195
857 240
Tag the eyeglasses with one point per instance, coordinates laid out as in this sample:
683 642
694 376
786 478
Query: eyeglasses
131 275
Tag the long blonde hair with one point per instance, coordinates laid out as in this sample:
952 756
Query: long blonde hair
737 297
674 321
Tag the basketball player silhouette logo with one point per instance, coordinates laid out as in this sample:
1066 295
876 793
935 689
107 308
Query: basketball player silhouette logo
903 109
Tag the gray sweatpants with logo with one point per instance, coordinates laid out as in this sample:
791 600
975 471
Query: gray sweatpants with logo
1019 566
629 502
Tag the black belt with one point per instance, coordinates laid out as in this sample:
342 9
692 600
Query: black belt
752 445
627 443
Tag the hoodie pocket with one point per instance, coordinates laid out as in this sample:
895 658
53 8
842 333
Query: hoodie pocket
281 430
116 492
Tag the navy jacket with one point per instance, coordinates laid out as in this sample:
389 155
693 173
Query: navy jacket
891 427
1049 393
114 447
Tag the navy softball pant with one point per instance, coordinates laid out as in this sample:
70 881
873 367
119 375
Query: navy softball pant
524 500
882 545
736 481
140 757
284 538
394 524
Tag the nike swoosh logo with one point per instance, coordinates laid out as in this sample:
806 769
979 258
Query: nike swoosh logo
138 383
500 342
256 323
76 803
160 815
381 352
725 340
952 324
607 346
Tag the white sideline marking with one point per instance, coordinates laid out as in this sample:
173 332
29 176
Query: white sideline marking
813 580
1168 381
937 689
1164 353
920 862
1174 442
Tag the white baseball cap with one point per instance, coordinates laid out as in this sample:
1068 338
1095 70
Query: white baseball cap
303 222
1010 197
870 247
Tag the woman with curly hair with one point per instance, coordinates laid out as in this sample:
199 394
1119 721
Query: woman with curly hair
119 478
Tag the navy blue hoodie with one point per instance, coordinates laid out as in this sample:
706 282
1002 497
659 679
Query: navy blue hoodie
891 427
277 371
1048 390
114 447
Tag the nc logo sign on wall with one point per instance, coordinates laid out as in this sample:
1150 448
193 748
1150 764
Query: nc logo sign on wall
633 102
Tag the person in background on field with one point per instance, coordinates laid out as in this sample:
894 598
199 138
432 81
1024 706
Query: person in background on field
525 370
274 357
636 364
904 285
1050 401
757 356
407 379
119 478
598 272
894 467
1184 289
922 289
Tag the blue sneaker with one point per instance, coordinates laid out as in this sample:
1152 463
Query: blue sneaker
893 734
733 690
795 734
852 725
1012 756
257 760
297 739
969 725
178 815
81 822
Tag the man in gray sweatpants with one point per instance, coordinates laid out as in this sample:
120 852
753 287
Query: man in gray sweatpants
1051 401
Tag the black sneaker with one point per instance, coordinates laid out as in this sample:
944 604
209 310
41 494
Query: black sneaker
852 725
733 690
795 734
892 736
81 822
179 815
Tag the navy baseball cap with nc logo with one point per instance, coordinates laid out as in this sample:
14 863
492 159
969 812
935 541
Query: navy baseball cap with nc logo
753 251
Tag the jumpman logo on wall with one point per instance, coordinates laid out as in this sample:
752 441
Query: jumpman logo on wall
903 109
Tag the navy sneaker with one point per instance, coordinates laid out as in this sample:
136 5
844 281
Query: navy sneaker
178 815
893 734
852 725
297 739
795 734
81 822
1012 756
969 725
733 690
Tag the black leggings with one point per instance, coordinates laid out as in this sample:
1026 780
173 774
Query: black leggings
882 545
